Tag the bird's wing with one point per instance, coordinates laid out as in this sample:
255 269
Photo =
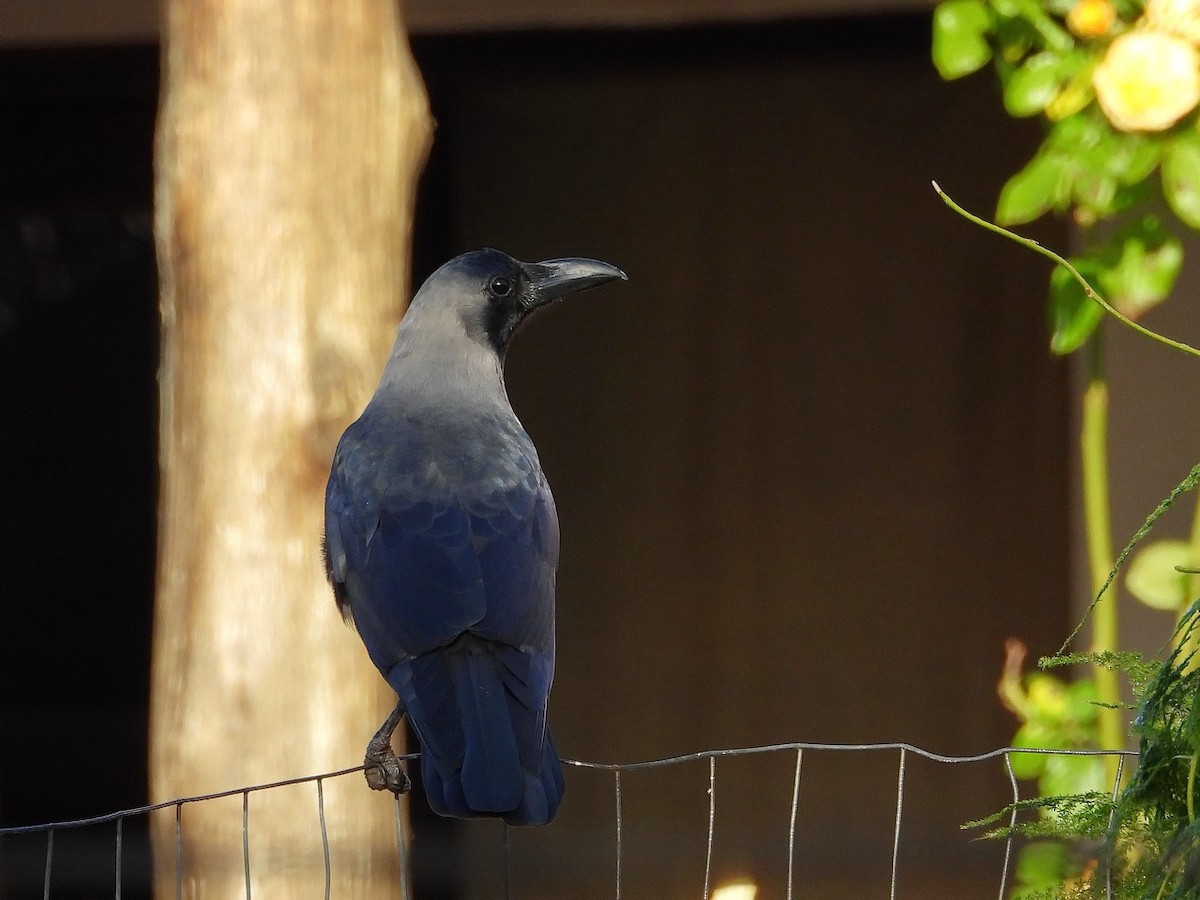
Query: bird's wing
515 532
418 564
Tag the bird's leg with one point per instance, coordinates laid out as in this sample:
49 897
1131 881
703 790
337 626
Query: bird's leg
380 764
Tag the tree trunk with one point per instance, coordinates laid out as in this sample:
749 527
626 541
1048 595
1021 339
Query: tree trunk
289 142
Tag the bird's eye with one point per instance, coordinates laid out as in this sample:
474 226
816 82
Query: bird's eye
500 286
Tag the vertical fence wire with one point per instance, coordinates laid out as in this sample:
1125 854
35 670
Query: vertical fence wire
324 834
792 823
617 791
899 816
402 853
178 851
117 875
49 863
1012 823
712 821
246 840
1116 791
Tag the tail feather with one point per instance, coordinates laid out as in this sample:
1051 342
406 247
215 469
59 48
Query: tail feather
492 780
485 751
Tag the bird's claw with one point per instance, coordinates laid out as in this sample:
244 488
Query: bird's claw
381 765
384 773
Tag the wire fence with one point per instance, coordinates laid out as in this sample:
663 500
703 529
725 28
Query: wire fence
903 752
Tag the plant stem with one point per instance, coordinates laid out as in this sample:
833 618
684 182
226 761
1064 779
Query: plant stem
1188 637
1098 527
1191 788
1193 581
1052 33
1050 254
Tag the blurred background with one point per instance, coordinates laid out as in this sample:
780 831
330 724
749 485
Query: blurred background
813 463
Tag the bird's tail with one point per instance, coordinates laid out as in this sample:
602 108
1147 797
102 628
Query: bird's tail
504 763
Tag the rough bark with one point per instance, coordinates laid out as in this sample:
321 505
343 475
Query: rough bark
289 142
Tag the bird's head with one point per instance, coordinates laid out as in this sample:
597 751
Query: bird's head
491 294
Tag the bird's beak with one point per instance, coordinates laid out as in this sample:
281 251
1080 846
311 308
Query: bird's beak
555 278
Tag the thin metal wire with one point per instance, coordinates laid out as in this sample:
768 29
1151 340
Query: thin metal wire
402 853
617 769
324 834
49 859
792 824
1012 823
604 767
154 807
810 745
117 878
899 815
179 851
712 821
1108 888
617 788
246 840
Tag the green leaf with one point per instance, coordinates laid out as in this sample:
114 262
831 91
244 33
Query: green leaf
1042 865
1133 158
1075 134
1181 176
1047 698
1059 8
1081 700
1037 188
960 29
1096 192
1076 91
1071 775
1110 168
1012 37
1152 577
1034 736
1139 266
1033 85
1073 315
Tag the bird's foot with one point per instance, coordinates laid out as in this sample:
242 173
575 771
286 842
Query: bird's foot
383 770
381 765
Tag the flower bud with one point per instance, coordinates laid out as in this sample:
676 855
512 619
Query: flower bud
1091 18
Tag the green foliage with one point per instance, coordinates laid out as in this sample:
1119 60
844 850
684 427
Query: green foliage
1114 83
1055 716
960 45
1097 160
1037 81
1135 268
1148 839
1044 184
1181 176
1073 315
1138 266
1039 869
1145 844
1189 483
1138 670
1154 576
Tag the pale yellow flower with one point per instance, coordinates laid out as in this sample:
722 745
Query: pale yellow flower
1148 80
1093 18
1178 17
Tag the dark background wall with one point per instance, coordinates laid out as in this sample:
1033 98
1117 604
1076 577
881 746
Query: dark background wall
810 462
78 349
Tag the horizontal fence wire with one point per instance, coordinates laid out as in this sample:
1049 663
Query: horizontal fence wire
798 749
